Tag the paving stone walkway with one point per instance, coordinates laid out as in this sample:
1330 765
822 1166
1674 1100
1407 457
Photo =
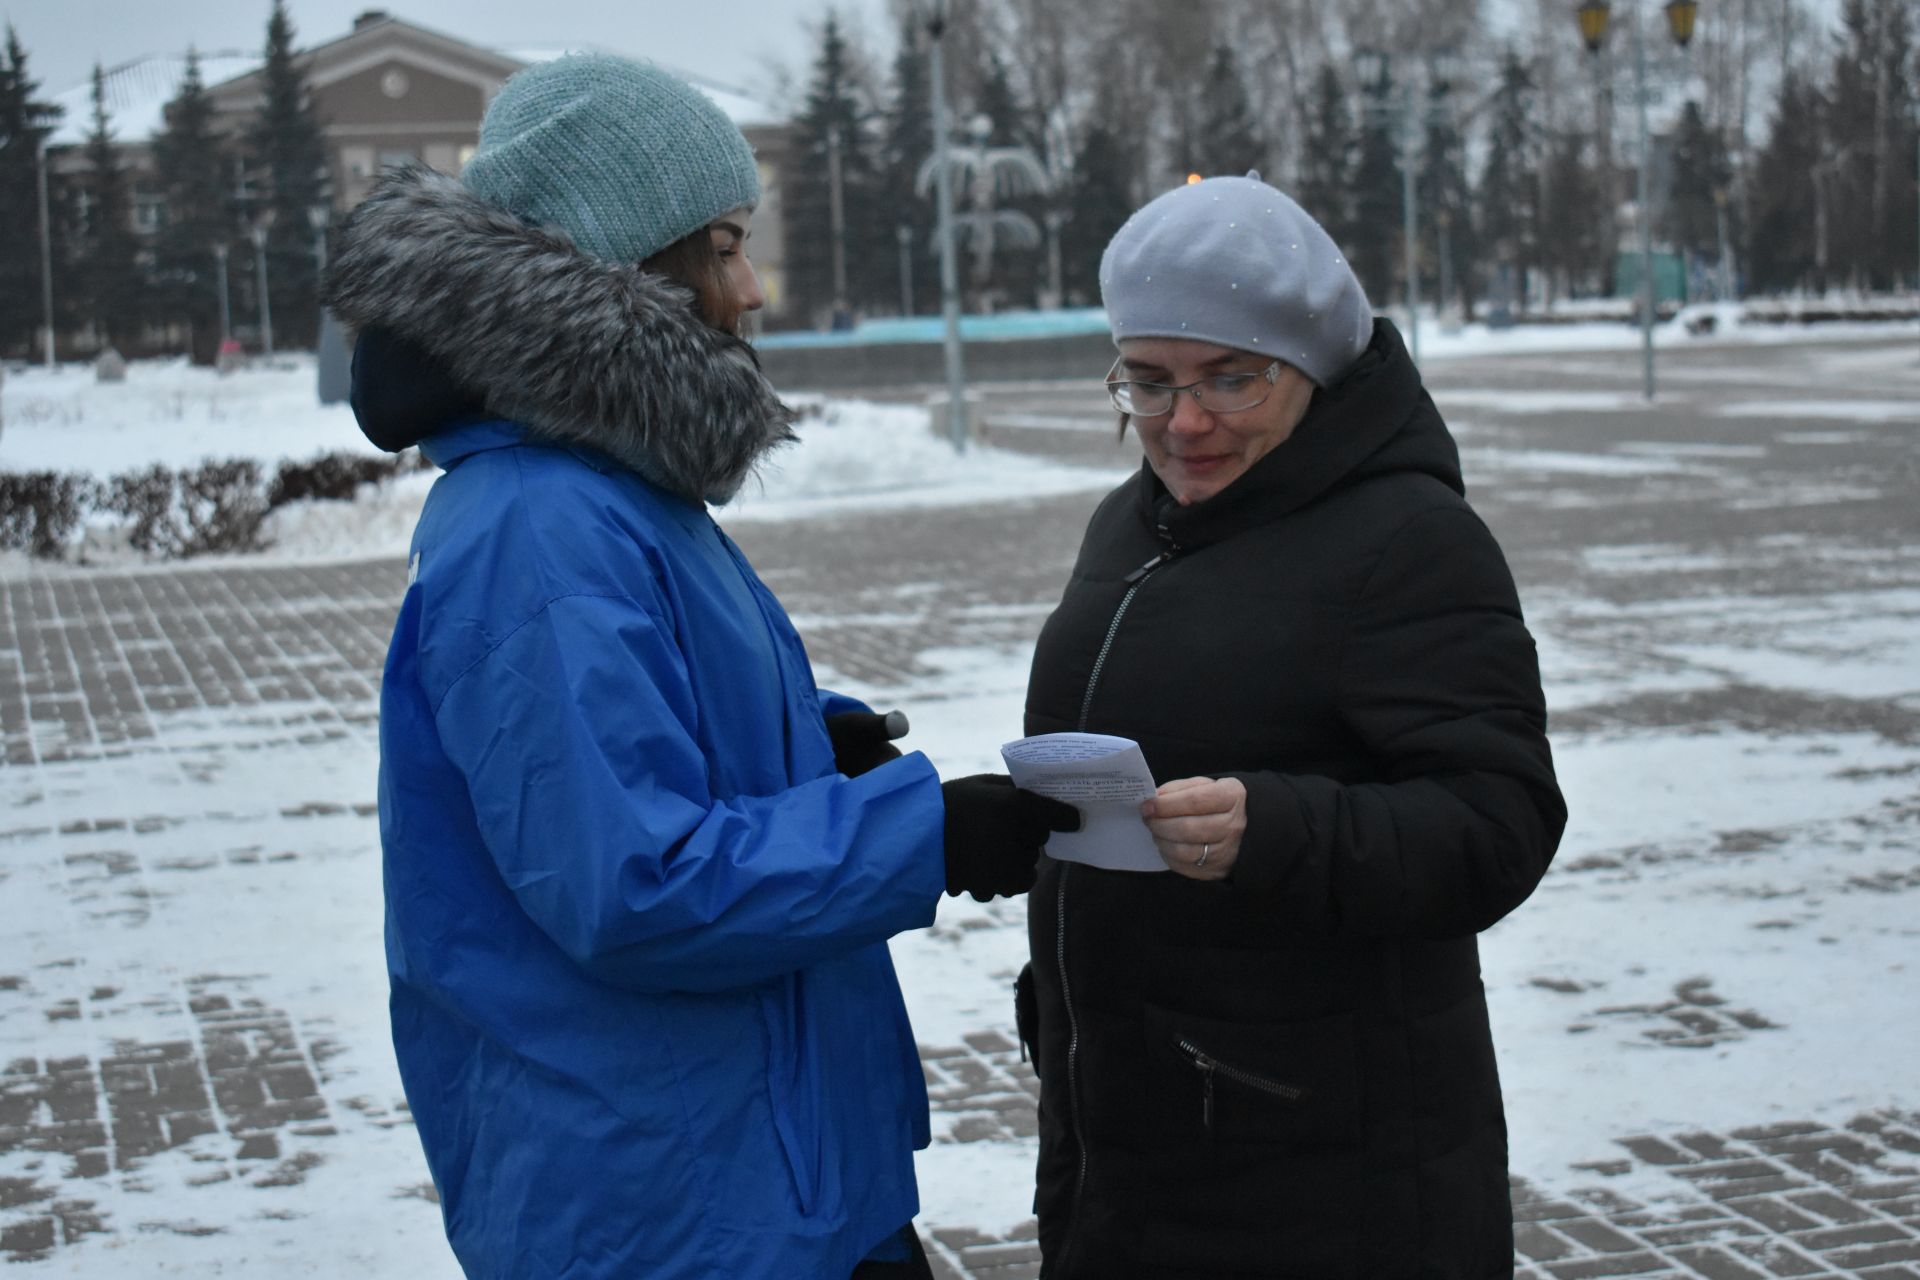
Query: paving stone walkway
99 665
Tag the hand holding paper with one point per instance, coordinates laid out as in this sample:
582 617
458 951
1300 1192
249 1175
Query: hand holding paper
1107 779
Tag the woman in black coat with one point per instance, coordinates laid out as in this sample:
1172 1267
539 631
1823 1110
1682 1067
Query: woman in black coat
1275 1061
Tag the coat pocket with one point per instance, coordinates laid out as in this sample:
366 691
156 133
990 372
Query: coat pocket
792 1094
1293 1083
1026 1016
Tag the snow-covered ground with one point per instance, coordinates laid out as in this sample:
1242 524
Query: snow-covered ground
851 455
1773 870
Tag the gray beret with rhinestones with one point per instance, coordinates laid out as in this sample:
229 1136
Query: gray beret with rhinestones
1234 262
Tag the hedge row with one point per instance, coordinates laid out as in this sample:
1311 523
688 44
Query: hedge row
214 507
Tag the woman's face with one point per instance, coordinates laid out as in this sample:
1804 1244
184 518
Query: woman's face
1197 452
730 232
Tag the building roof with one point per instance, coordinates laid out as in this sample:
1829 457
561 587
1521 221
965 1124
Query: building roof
137 94
741 108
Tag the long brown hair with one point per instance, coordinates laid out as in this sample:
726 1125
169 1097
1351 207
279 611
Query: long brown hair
694 262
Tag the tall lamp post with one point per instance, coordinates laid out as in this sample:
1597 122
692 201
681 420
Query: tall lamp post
1375 68
836 216
46 253
258 230
1593 16
226 309
320 217
903 236
936 20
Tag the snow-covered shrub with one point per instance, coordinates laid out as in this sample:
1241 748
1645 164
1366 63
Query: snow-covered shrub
216 506
39 510
332 477
145 498
224 505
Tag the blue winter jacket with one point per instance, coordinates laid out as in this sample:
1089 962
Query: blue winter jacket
636 923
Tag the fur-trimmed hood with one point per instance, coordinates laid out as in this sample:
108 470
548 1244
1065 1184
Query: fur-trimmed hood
577 350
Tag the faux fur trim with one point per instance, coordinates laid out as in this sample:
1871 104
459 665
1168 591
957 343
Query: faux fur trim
577 350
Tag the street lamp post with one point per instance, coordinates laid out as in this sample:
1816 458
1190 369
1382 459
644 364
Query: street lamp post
1375 67
1055 219
46 253
320 217
936 21
1593 16
836 216
1726 249
903 236
226 311
258 231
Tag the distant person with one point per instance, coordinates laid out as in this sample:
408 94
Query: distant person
640 872
1275 1060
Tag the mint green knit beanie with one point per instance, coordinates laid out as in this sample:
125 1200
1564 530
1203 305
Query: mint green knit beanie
624 157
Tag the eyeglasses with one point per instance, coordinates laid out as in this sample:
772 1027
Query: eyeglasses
1222 393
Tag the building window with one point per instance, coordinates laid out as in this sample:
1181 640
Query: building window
397 160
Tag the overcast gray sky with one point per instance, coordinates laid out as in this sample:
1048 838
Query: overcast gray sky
731 40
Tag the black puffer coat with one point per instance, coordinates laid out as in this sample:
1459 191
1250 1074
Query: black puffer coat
1289 1073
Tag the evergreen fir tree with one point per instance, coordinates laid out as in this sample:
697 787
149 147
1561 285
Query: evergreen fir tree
1229 142
1700 169
1378 222
191 167
1869 150
1013 124
1782 253
1100 201
112 289
1328 158
1446 223
1572 205
833 109
289 163
1017 273
906 142
1509 192
24 121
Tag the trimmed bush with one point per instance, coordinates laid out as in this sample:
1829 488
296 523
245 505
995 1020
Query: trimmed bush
223 507
331 477
40 510
214 507
145 498
218 506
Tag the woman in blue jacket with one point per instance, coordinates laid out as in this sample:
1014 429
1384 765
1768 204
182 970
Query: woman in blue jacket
640 871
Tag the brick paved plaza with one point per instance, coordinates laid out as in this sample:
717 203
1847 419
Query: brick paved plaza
142 713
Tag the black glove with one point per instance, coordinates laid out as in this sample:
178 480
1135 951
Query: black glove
863 740
994 834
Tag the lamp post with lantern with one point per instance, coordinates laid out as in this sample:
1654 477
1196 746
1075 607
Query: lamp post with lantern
319 217
903 236
226 307
258 231
1594 16
934 15
1442 69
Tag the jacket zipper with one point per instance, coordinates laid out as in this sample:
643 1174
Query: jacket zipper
1208 1066
1133 581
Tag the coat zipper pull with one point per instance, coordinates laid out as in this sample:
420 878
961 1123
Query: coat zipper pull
1147 568
1205 1064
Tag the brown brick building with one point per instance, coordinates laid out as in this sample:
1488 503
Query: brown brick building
387 92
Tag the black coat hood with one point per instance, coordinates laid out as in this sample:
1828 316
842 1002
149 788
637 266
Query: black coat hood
579 351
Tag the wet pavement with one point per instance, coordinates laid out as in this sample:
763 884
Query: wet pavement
1764 505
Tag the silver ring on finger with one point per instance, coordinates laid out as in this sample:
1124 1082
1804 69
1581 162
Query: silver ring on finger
1201 861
